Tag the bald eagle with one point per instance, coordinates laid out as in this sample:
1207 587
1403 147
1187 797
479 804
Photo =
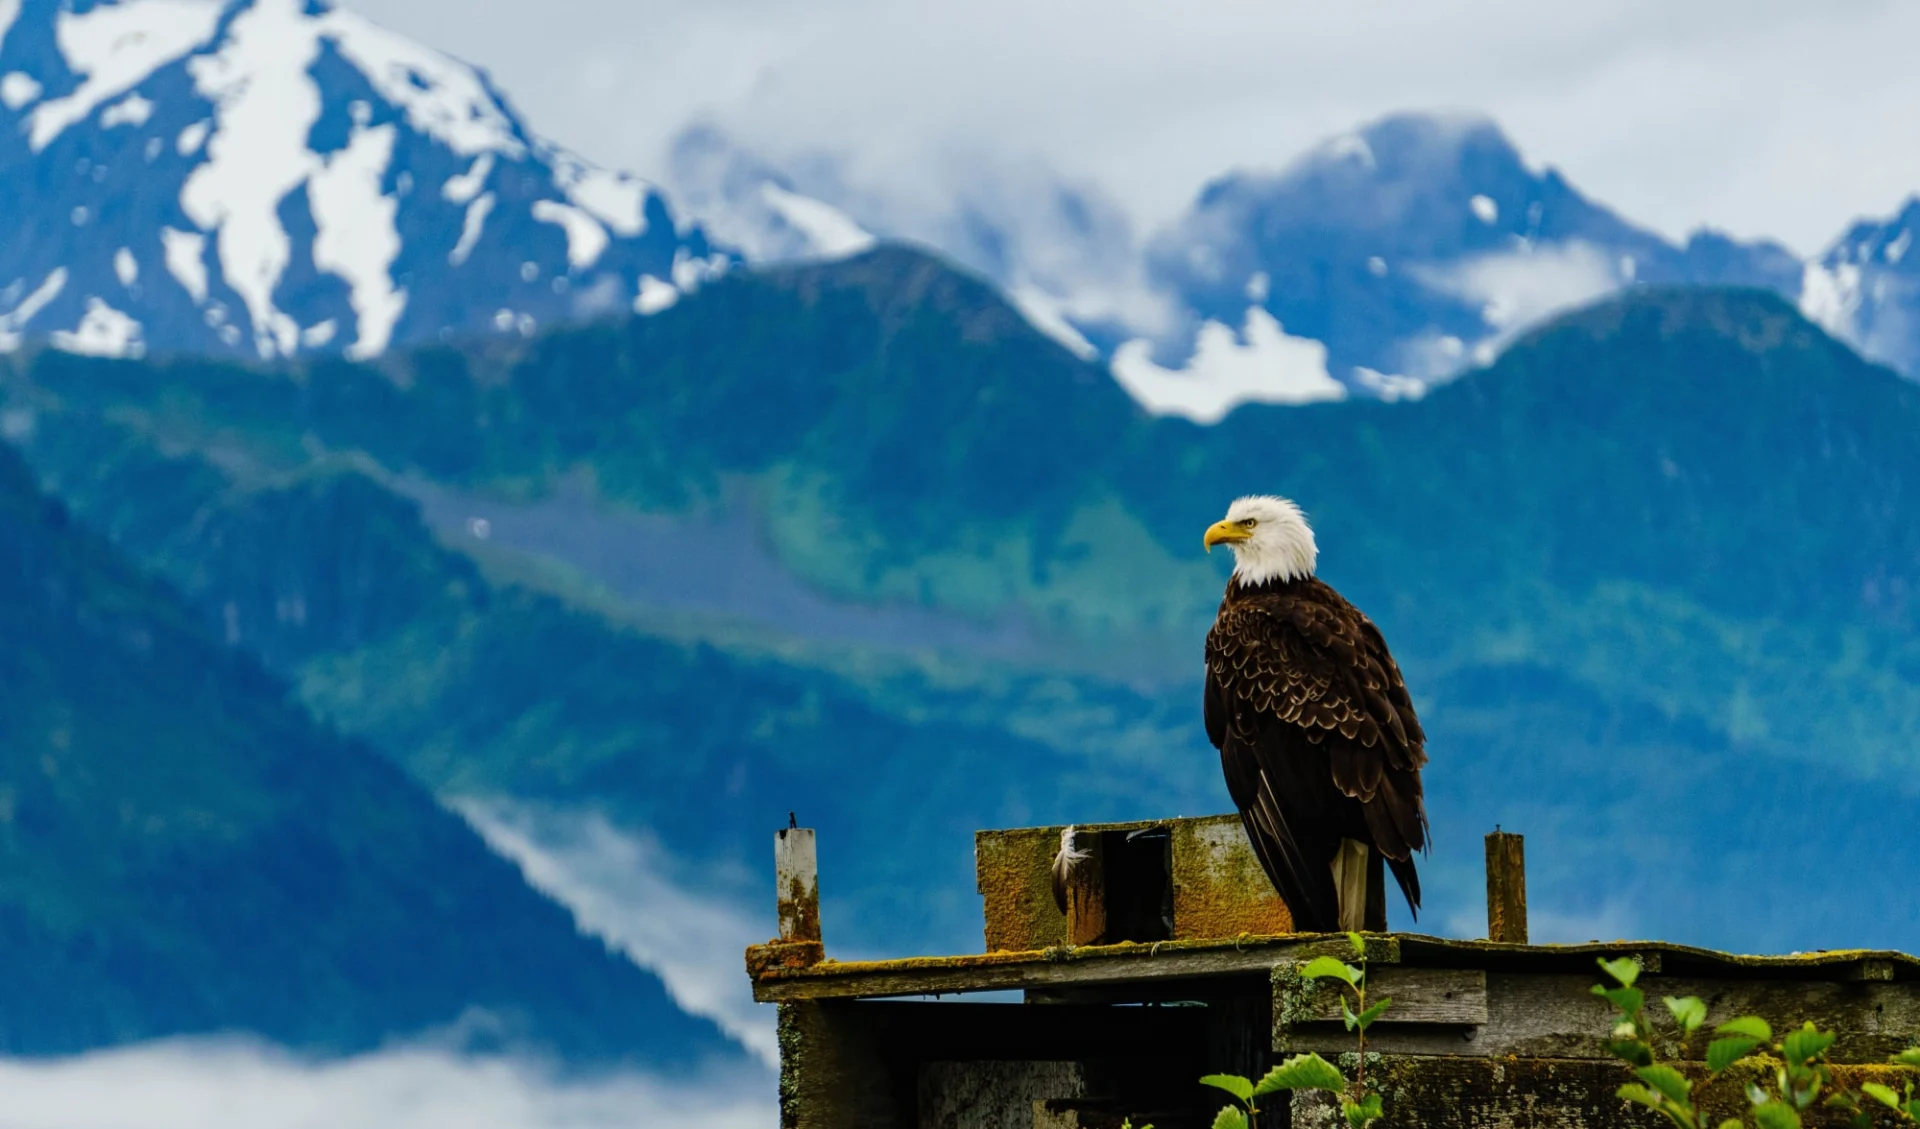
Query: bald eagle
1317 735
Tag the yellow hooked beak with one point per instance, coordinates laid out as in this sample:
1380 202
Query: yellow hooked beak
1225 532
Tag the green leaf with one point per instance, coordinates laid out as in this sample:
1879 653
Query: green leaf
1908 1057
1375 1012
1362 1113
1229 1118
1626 970
1346 1015
1330 968
1882 1094
1776 1115
1302 1072
1359 945
1732 1123
1688 1011
1639 1095
1722 1053
1671 1084
1631 1050
1628 1000
1232 1083
1751 1026
1806 1044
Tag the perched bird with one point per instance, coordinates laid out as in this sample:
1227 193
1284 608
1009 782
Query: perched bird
1317 735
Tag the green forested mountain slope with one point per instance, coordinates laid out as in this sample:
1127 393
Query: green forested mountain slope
182 850
854 539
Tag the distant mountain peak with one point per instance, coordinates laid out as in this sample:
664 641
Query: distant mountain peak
278 176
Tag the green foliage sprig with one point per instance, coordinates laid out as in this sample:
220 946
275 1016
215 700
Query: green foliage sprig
1802 1074
1309 1071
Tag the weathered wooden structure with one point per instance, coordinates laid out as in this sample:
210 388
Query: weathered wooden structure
1188 969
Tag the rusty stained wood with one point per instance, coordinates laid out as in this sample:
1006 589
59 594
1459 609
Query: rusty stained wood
1086 891
1444 996
1556 1016
1506 888
796 874
1219 890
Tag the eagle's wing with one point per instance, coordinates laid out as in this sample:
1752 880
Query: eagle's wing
1308 709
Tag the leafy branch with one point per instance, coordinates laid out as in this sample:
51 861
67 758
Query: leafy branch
1801 1074
1310 1071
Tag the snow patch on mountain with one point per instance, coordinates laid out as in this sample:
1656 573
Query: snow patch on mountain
344 196
586 239
103 332
131 110
14 322
1262 365
1043 312
444 99
186 253
654 295
264 106
832 234
1830 297
113 47
18 90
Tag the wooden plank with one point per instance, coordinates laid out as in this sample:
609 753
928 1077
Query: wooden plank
1506 888
1445 996
1104 964
1070 967
1556 1016
796 878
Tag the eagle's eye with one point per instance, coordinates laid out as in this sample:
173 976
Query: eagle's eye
1250 523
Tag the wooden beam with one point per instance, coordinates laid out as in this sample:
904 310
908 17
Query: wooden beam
1065 967
1506 888
796 876
1443 996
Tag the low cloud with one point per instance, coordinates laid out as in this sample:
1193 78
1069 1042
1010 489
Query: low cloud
1763 118
631 892
248 1085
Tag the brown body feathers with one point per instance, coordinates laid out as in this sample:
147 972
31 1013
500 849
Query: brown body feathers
1318 740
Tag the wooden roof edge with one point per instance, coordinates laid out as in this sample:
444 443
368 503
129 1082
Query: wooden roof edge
1133 962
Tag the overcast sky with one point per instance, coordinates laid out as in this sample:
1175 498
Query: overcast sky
1761 117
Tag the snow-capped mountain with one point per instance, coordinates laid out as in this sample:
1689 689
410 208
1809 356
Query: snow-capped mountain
273 176
1064 254
1377 264
1866 289
1411 247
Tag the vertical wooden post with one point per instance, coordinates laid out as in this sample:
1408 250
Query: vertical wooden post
796 874
1506 888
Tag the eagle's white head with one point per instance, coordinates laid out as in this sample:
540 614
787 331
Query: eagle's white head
1270 539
